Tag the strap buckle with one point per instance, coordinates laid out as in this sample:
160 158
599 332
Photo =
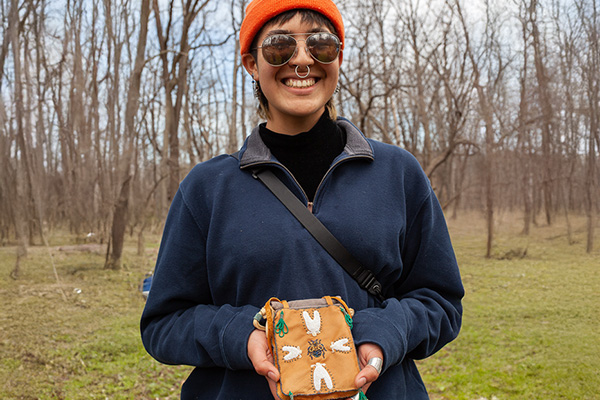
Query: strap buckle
367 281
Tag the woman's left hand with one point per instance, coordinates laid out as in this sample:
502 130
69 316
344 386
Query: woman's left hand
368 373
261 357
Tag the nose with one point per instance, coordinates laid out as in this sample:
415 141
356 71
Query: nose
301 56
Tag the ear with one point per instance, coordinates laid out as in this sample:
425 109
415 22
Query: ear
250 65
341 57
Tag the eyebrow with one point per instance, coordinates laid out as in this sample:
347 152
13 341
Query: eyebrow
287 32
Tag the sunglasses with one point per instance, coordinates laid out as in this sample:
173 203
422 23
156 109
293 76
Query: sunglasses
280 48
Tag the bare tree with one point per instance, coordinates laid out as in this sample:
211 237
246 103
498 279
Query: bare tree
524 126
175 70
94 135
547 120
589 14
24 177
452 102
120 217
486 112
232 142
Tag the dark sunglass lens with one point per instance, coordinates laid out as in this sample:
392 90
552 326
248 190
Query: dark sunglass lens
278 49
324 47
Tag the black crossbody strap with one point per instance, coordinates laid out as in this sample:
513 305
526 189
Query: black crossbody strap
363 276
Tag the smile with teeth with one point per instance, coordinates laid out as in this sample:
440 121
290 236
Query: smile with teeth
300 83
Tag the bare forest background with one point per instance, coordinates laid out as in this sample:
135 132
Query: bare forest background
105 106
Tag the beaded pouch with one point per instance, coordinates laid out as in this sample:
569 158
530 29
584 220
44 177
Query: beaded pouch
312 347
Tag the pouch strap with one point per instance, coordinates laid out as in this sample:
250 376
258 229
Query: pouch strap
363 276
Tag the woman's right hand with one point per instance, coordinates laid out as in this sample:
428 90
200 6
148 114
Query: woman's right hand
260 354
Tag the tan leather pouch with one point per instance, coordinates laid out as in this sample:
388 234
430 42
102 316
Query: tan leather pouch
313 348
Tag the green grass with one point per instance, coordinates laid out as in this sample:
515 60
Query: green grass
531 327
86 347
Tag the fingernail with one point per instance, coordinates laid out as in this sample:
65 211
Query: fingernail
272 376
362 382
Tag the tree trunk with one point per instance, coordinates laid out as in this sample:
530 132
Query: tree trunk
23 176
547 113
486 114
118 228
523 140
593 94
232 142
121 214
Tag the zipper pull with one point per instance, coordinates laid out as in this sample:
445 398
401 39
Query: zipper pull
310 206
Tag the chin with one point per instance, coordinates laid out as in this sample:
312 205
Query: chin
299 113
304 108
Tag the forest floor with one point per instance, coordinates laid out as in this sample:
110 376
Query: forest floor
531 326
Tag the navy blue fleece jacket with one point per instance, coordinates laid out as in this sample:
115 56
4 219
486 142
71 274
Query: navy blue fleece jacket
229 245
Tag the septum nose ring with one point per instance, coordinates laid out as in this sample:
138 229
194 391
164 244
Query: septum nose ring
307 72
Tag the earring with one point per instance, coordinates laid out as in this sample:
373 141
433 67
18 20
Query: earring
337 89
255 88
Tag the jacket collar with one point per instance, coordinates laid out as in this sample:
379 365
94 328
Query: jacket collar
254 152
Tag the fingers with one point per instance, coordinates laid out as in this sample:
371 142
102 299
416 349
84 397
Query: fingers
368 373
260 355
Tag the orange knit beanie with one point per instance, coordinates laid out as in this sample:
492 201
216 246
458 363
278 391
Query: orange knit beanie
259 12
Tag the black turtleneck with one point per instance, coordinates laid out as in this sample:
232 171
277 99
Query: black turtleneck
308 155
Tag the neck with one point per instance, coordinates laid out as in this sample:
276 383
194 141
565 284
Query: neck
292 125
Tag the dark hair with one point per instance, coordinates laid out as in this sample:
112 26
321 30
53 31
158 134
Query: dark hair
308 17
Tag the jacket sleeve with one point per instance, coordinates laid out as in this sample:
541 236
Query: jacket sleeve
423 310
180 324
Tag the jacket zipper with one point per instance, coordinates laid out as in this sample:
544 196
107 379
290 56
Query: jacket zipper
331 169
279 165
310 204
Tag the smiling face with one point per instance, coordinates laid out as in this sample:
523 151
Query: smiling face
295 104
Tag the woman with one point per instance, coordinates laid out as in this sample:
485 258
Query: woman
229 244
